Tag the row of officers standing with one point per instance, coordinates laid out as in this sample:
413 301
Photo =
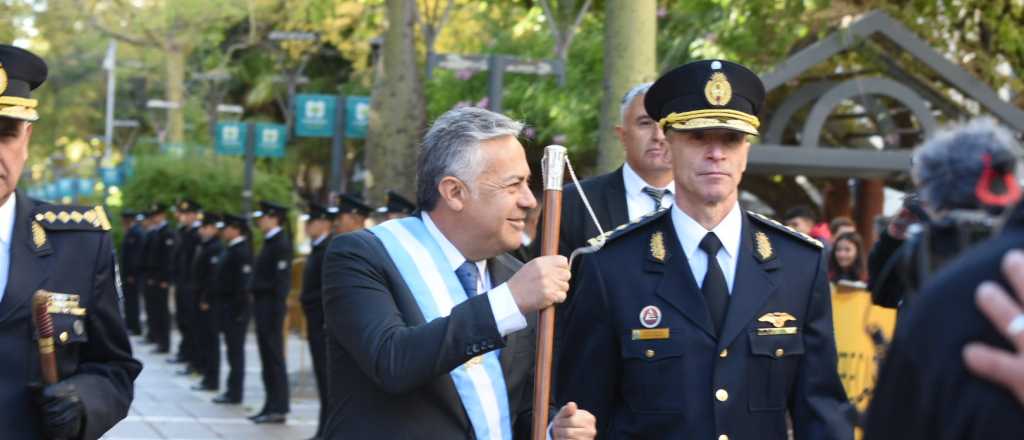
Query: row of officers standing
219 286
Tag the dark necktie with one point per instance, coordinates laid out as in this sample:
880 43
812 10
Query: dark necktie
468 277
714 288
656 195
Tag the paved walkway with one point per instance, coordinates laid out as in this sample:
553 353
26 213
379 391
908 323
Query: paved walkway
165 407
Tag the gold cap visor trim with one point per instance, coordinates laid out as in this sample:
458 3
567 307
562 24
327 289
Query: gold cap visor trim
19 112
709 123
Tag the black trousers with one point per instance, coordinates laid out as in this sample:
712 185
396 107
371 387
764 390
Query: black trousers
130 289
207 344
318 350
185 318
269 311
158 314
234 324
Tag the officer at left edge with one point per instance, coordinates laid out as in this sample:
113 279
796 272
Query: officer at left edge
318 227
703 321
67 251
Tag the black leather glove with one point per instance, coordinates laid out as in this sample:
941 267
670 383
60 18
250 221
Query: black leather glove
61 408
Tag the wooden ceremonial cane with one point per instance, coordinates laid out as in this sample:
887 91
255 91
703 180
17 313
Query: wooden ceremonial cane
552 166
44 328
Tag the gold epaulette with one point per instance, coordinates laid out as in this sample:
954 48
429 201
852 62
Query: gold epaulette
625 227
788 230
71 218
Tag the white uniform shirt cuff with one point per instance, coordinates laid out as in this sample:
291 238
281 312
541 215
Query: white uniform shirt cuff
506 313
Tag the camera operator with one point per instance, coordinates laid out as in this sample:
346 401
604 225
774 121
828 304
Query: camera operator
965 179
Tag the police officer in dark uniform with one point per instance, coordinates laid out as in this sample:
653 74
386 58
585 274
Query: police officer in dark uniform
700 320
158 267
187 212
271 282
318 228
233 278
67 252
205 266
131 253
352 214
396 206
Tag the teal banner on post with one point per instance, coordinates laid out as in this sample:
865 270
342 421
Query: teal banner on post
357 116
315 115
270 140
231 138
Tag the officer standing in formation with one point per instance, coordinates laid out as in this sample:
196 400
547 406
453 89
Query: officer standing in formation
270 284
396 206
235 304
67 252
158 272
318 228
187 213
352 214
131 256
721 327
204 271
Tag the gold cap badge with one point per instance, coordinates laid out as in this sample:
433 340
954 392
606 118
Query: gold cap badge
718 91
3 80
776 319
658 246
764 247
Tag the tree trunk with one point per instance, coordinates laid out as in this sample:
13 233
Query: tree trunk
176 94
397 109
629 59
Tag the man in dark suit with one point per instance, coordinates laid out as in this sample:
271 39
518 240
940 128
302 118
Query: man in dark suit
235 302
157 264
205 266
640 186
66 252
271 282
429 321
131 253
701 321
187 213
318 228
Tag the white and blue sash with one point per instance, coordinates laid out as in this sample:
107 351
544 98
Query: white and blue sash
424 268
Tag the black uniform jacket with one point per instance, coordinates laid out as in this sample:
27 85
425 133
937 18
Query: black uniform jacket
131 251
388 369
676 380
233 276
204 269
607 195
312 275
272 274
184 253
74 258
924 390
158 261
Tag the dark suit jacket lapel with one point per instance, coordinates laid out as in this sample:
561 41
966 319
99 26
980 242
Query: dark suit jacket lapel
751 288
29 265
675 272
617 212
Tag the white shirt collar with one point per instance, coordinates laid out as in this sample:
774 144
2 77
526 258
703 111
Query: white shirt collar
691 233
236 240
451 253
320 239
7 220
635 184
271 233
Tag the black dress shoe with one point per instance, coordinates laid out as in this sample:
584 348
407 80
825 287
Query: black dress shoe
277 418
203 387
256 416
225 399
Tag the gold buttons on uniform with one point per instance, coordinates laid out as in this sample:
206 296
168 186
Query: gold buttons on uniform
724 353
722 395
779 352
64 337
648 353
723 437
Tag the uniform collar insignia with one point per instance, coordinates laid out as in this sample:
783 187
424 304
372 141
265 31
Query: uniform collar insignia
763 246
776 319
658 246
38 235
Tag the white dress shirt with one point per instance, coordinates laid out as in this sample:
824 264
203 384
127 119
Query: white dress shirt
272 233
6 232
506 313
691 233
638 203
318 240
236 240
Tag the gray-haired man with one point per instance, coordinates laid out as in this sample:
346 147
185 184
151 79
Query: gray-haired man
430 323
640 186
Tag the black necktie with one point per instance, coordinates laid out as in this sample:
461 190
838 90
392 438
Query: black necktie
468 277
656 195
715 290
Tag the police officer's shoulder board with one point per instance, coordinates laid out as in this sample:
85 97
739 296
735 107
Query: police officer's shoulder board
803 238
624 228
71 218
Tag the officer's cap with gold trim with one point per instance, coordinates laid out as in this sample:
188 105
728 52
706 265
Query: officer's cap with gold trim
187 205
707 94
21 72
